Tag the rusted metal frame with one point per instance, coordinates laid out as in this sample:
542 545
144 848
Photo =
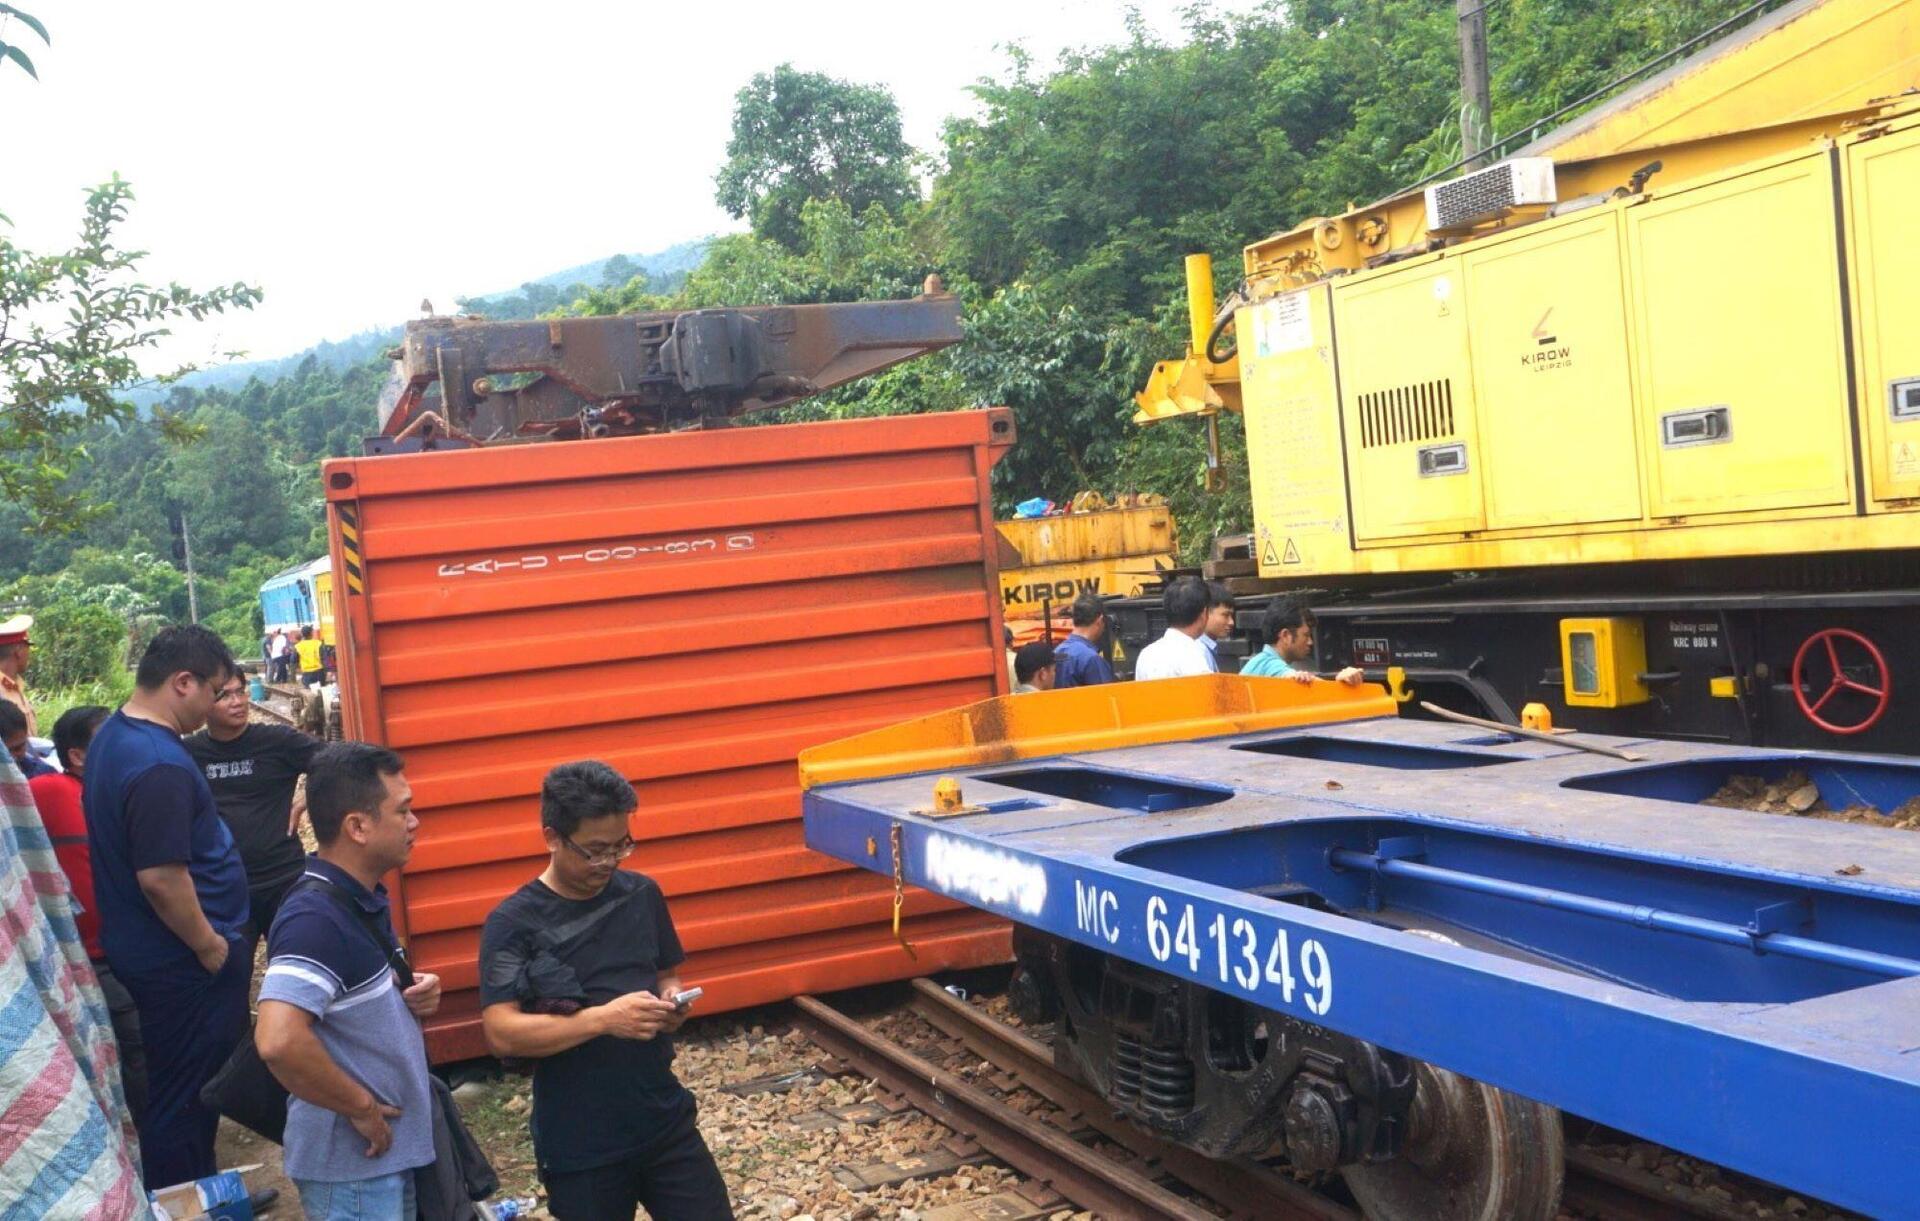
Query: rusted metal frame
724 360
1036 1149
1248 1189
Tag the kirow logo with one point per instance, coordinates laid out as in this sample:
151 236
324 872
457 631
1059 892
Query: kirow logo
1549 352
1041 591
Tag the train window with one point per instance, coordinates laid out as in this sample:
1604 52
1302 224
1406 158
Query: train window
1115 790
1585 651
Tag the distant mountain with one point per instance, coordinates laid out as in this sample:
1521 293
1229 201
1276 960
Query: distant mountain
665 269
669 264
332 354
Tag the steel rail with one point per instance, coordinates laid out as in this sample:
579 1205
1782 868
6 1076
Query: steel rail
1595 1186
1247 1188
1615 1191
271 711
1038 1150
1606 1190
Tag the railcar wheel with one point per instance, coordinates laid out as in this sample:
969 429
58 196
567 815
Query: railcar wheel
1473 1153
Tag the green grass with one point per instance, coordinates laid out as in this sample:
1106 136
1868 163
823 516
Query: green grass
50 702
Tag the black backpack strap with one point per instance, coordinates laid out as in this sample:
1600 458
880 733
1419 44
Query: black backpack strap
390 950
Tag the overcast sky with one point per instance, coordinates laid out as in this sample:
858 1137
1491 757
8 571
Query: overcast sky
352 158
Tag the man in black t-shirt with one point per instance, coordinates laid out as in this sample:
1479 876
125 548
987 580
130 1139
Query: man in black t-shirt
578 971
253 771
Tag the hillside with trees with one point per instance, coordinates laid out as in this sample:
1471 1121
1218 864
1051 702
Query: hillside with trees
1058 210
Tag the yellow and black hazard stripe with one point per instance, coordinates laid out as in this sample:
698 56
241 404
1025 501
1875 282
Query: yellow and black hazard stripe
349 516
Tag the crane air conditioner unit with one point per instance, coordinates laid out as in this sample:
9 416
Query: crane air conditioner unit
1490 193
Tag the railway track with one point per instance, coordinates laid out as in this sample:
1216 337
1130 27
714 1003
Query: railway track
283 704
271 713
1157 1179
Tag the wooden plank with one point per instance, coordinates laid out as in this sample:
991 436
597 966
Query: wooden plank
931 1164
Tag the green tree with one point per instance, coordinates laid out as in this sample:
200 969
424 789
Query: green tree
12 51
233 498
617 271
800 136
79 643
62 370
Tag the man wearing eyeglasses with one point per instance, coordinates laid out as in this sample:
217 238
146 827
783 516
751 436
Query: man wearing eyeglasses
578 972
172 893
253 771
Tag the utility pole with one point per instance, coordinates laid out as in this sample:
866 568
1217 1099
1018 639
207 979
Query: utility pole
1476 96
186 549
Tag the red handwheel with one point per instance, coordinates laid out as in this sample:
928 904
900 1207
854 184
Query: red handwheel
1881 690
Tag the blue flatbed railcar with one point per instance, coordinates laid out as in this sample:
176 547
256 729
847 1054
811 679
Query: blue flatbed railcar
1276 916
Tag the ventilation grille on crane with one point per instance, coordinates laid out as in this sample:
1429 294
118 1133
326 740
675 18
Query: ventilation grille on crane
1490 193
1420 411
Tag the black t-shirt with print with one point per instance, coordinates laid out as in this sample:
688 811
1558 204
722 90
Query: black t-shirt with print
253 778
607 1099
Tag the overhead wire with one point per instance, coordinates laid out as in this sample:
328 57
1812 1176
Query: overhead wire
1657 61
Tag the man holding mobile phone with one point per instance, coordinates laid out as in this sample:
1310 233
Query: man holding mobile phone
591 949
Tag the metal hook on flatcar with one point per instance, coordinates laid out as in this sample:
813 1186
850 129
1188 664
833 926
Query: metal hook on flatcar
899 890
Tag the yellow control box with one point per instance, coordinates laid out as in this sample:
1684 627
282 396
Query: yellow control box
1603 661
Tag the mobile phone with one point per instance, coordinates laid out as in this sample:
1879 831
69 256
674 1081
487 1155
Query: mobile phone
683 999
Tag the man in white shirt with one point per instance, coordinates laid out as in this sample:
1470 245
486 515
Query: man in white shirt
1179 653
1217 627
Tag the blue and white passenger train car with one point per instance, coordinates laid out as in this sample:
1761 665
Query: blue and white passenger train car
297 597
1271 917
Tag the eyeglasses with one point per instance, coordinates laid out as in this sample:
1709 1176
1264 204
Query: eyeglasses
231 693
604 856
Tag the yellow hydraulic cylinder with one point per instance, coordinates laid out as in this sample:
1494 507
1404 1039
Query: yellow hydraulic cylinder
1199 302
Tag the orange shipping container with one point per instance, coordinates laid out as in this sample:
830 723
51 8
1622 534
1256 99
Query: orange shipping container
695 609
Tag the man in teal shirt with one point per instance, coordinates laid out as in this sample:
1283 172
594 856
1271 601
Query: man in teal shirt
1286 634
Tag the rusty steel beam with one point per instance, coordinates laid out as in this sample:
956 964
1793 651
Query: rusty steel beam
1036 1149
634 373
1247 1188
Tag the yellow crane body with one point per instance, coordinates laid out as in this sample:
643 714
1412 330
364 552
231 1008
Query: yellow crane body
1705 346
1625 427
1115 552
1725 366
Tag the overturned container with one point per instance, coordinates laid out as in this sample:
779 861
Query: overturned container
695 609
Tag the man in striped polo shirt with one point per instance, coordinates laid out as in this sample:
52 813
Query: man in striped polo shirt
340 1008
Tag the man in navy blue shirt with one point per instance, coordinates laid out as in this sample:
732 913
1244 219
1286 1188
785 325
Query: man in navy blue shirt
172 894
1077 662
339 1022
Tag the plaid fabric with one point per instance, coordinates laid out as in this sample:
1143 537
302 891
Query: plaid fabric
67 1145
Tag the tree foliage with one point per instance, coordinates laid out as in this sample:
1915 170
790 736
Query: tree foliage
1058 212
72 328
248 481
79 642
800 136
12 50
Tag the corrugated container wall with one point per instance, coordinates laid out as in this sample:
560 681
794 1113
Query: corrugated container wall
694 609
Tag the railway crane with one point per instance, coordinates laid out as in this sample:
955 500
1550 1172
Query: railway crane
1627 424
